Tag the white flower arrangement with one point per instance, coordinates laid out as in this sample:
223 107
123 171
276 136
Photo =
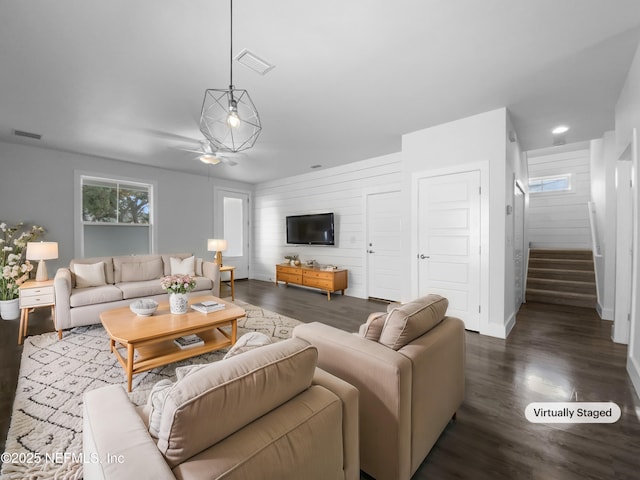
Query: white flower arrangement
13 268
178 283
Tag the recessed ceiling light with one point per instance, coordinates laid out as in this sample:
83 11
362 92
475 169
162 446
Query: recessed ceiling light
560 129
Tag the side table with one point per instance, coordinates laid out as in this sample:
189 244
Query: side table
33 295
231 270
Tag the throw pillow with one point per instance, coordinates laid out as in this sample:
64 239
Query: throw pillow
155 402
411 320
182 266
89 274
247 342
372 329
138 271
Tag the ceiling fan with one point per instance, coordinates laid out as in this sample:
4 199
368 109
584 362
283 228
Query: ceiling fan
208 155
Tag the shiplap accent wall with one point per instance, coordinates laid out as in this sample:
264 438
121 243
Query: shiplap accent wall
339 190
561 220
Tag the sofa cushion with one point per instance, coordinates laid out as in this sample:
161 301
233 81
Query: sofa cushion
139 270
146 288
108 267
202 283
183 266
409 321
372 329
93 295
90 275
191 420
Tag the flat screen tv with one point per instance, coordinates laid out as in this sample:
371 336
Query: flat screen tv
314 229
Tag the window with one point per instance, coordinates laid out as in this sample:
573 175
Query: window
116 216
559 183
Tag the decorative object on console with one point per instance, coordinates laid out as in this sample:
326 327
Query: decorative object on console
217 245
229 119
14 269
42 251
177 286
293 260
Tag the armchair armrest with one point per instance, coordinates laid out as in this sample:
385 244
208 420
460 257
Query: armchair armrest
350 421
383 379
212 271
62 285
115 441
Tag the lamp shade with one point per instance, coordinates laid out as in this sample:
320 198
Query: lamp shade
216 245
42 250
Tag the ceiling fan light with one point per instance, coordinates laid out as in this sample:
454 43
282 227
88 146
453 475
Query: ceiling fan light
209 159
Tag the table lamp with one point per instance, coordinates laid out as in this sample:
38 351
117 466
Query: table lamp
42 251
217 245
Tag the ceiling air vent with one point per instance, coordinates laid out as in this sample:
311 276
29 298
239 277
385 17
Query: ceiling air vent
254 62
21 133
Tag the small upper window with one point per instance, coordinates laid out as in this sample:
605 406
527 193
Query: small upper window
559 183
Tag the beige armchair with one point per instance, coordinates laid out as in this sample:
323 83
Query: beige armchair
408 366
264 414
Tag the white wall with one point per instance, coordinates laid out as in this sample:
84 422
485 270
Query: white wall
561 220
628 119
603 195
37 186
479 139
515 170
339 190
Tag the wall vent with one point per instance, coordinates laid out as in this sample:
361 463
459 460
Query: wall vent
254 62
22 133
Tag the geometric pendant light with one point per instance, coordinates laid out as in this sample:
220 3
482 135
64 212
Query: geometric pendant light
229 119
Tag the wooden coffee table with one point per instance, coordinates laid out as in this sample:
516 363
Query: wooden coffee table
148 341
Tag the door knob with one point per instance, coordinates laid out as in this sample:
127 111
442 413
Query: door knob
370 251
422 256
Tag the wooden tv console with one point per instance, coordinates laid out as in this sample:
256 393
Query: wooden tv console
327 280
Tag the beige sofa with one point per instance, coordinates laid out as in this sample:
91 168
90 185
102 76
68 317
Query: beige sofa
408 365
92 285
264 414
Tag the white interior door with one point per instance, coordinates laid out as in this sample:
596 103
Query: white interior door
449 242
232 224
383 246
624 253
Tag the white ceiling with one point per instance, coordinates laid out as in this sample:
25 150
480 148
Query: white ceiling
125 79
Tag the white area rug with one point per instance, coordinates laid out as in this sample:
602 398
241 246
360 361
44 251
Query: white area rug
45 436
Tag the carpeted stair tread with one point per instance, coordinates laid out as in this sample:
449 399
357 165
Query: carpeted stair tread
563 285
578 275
576 254
561 263
561 298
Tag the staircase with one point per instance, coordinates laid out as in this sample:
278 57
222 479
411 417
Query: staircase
561 277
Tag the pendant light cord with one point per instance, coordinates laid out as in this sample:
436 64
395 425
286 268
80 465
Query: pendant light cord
231 46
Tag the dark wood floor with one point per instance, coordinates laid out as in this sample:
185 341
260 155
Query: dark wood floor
554 353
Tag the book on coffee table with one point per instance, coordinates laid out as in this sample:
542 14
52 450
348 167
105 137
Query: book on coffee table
188 341
207 306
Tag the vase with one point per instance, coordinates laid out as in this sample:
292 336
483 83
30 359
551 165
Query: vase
10 309
178 303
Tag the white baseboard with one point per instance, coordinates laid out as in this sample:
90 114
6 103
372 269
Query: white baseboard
604 313
633 369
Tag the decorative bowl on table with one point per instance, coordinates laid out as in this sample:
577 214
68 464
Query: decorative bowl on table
144 307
